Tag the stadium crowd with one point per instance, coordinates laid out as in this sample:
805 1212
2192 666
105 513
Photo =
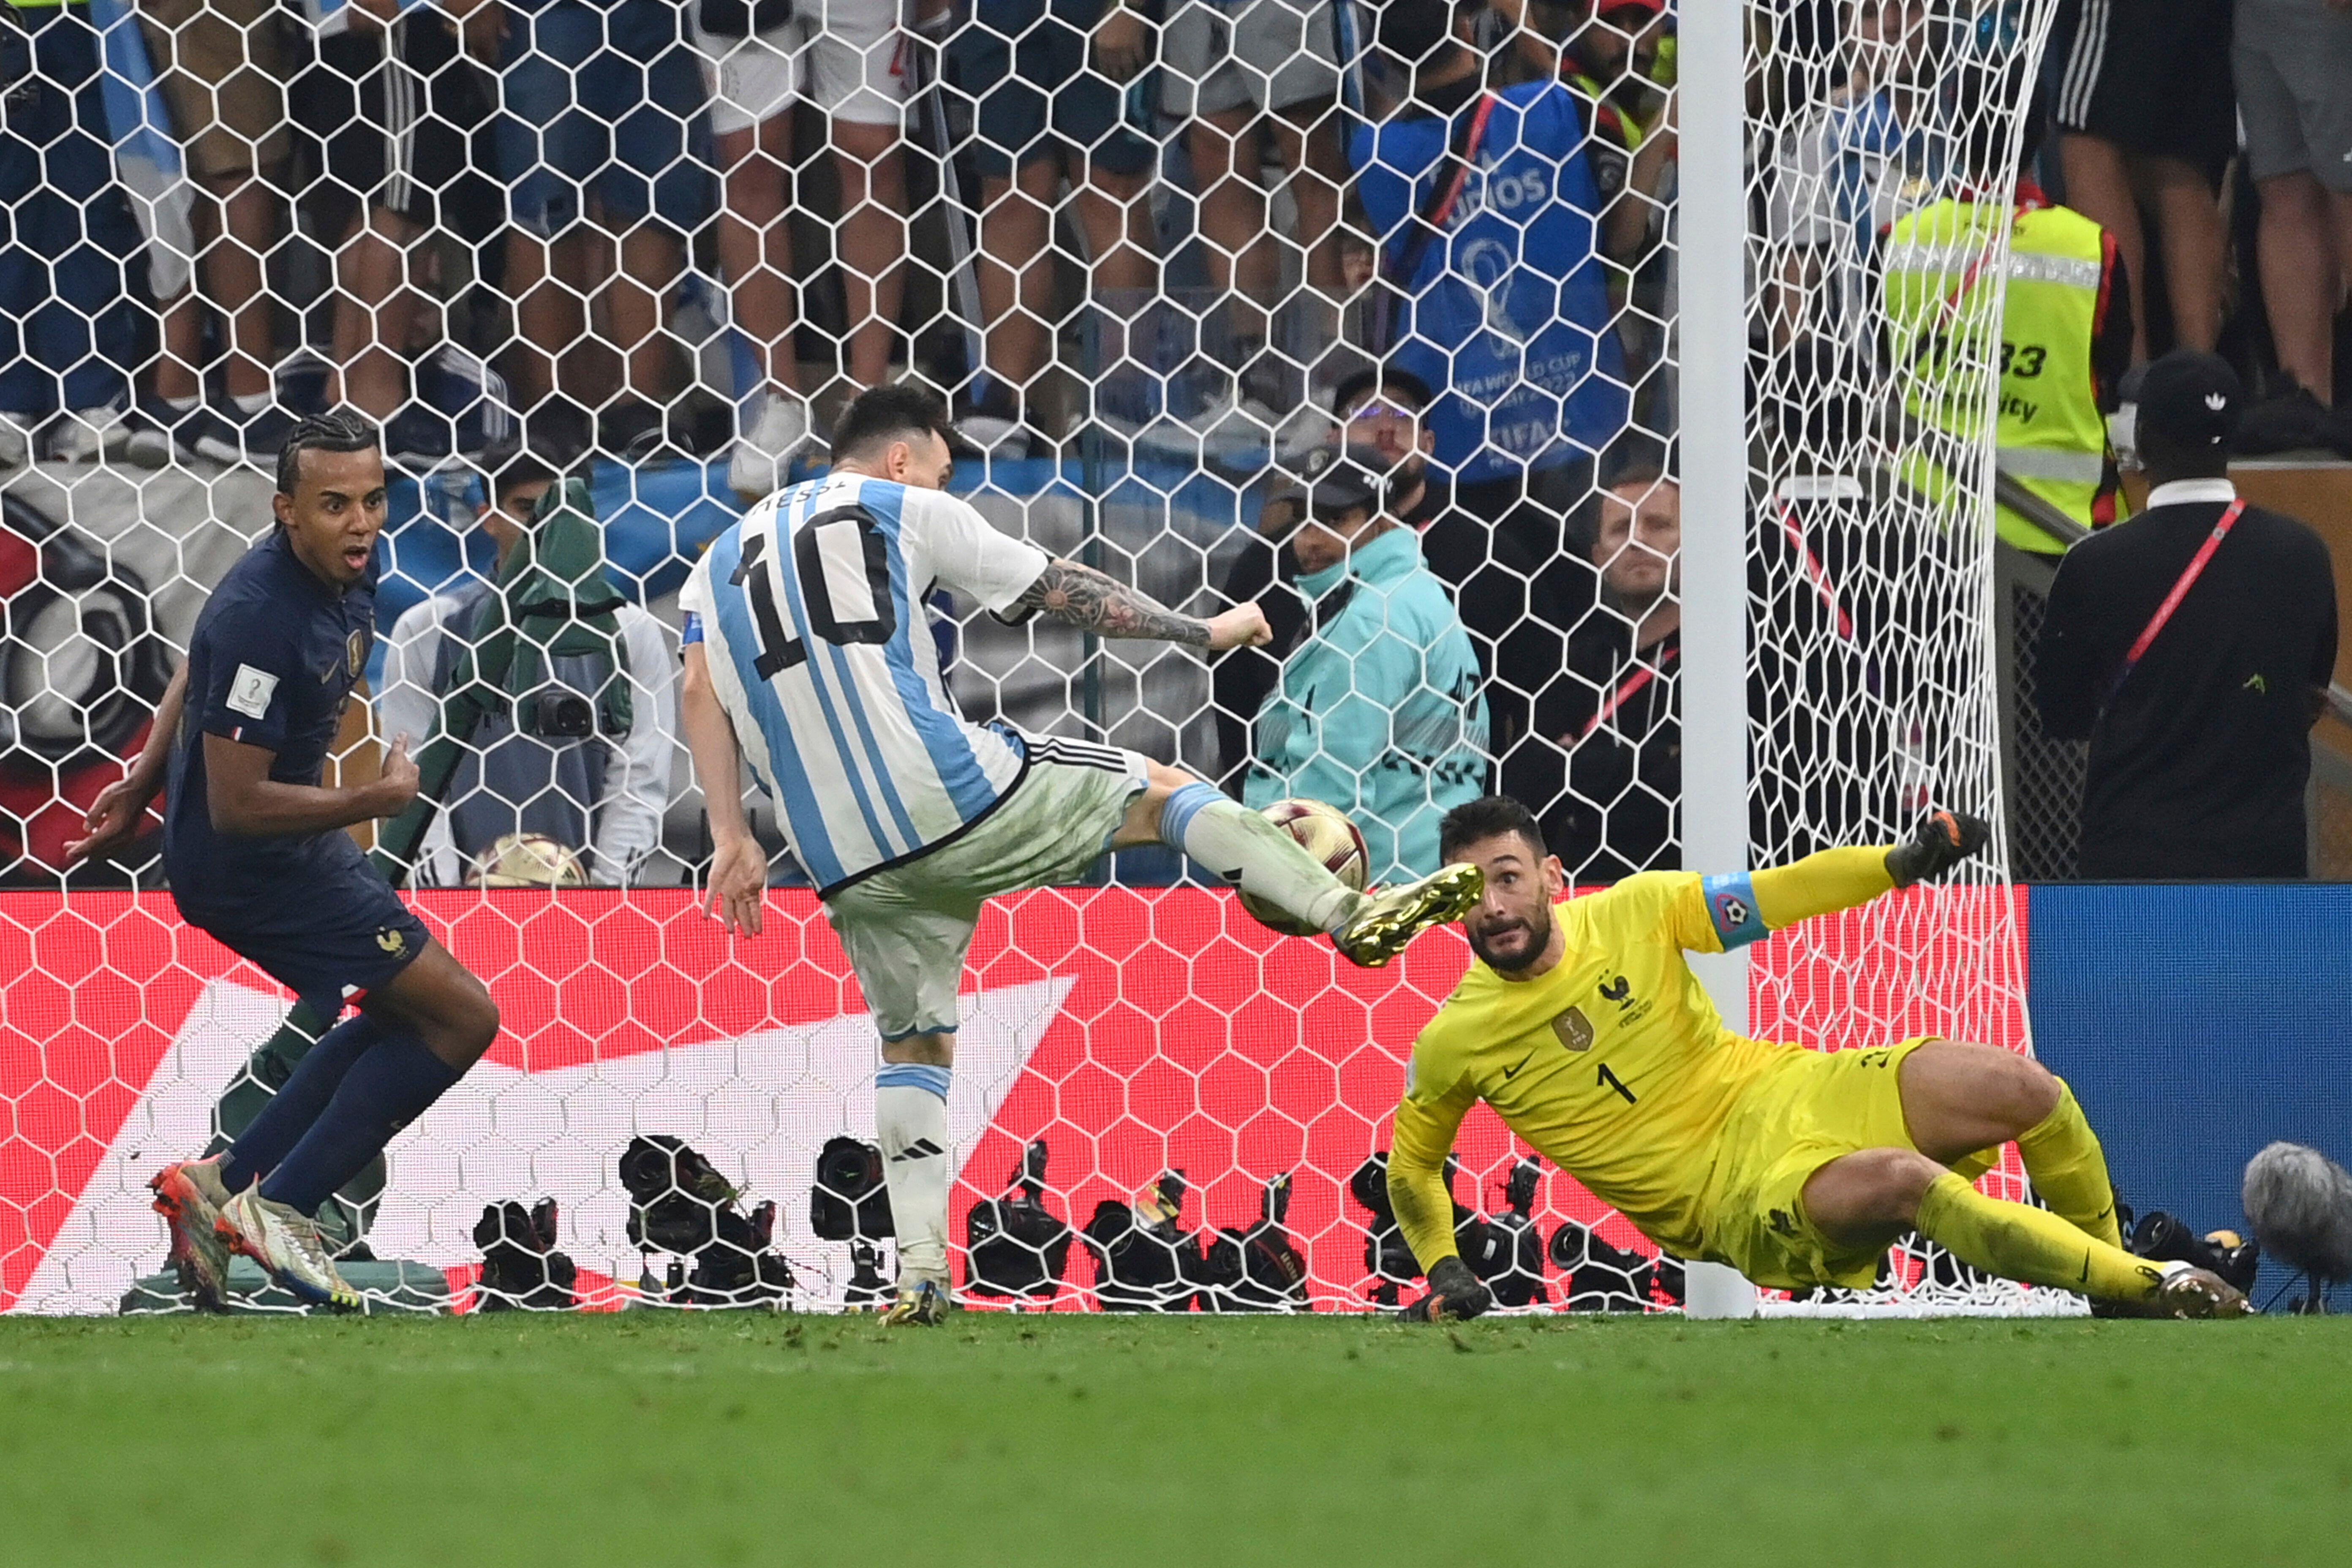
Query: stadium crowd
523 233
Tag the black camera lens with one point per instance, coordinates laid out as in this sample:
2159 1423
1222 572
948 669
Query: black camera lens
561 715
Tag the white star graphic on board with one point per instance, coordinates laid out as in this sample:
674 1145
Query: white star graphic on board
760 1107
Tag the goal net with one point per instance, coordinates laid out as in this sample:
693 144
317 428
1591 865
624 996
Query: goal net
1154 273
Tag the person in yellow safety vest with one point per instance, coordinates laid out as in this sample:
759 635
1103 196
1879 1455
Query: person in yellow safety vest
2065 343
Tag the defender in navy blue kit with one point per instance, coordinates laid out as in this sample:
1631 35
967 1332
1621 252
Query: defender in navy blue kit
255 851
271 664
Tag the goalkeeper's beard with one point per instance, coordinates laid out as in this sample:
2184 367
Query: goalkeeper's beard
1511 962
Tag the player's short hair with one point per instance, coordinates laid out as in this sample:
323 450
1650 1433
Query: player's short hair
339 430
880 414
1637 458
1490 816
520 469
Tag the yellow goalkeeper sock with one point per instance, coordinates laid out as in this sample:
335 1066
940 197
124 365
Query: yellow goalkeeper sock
2069 1170
2018 1241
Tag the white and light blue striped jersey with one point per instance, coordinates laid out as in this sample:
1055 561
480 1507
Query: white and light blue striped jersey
811 614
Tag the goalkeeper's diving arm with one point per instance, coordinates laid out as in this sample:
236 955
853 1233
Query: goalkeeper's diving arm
1744 909
1423 1204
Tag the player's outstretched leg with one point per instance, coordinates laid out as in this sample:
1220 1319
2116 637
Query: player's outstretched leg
1369 929
1866 1198
1959 1096
434 1020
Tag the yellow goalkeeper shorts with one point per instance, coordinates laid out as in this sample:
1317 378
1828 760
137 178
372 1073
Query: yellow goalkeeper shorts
1811 1107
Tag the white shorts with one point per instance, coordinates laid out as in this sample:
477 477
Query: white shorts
842 56
907 928
1221 55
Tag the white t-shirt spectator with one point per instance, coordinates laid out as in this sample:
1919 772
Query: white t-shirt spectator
1836 184
628 818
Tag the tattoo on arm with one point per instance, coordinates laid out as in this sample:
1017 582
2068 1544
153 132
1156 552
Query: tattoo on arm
1087 598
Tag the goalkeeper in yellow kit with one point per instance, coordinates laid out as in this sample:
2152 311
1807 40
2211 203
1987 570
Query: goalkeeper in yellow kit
1583 1027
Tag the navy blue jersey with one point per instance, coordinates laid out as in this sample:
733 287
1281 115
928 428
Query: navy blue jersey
276 652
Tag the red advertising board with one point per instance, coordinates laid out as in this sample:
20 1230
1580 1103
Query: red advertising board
1134 1030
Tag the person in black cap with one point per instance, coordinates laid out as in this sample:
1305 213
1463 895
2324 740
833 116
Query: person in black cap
1378 708
2192 646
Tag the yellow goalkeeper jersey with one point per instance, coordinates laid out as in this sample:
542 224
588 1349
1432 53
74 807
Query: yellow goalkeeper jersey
1614 1064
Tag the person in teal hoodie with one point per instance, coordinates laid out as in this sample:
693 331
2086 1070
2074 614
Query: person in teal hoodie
1377 710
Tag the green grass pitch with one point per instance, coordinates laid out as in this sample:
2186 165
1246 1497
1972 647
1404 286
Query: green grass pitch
730 1439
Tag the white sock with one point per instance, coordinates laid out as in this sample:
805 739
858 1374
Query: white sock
911 1114
252 402
1245 848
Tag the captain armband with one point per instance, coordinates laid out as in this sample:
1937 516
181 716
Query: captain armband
1731 906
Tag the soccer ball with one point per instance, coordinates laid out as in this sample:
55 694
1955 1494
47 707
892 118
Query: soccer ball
1324 832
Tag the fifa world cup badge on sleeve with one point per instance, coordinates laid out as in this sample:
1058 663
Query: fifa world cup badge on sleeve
251 692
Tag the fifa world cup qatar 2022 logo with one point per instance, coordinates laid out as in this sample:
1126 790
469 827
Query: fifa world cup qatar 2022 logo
81 672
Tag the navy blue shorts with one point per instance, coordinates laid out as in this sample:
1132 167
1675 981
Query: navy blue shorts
333 939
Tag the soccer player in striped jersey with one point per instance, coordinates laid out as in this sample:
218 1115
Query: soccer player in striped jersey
805 638
1583 1027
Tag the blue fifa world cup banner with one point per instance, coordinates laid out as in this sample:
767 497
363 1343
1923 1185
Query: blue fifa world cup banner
1508 317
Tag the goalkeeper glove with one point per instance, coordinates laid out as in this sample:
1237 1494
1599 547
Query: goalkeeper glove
1453 1292
1941 841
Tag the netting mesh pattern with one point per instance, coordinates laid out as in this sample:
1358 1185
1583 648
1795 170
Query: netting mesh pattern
1165 271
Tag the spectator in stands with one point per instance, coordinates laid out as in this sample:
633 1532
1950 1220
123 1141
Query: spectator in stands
395 101
602 143
1603 769
2199 720
846 57
1049 80
1503 595
2145 108
1839 181
1377 710
1249 78
2065 325
221 66
1608 60
599 798
2293 67
1503 303
67 337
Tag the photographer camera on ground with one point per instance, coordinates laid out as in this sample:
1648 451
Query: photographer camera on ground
521 1271
849 1203
1606 1279
1016 1246
1260 1269
1144 1260
679 1204
1517 1257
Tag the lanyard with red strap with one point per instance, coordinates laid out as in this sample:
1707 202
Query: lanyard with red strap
2179 591
1445 194
1627 690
